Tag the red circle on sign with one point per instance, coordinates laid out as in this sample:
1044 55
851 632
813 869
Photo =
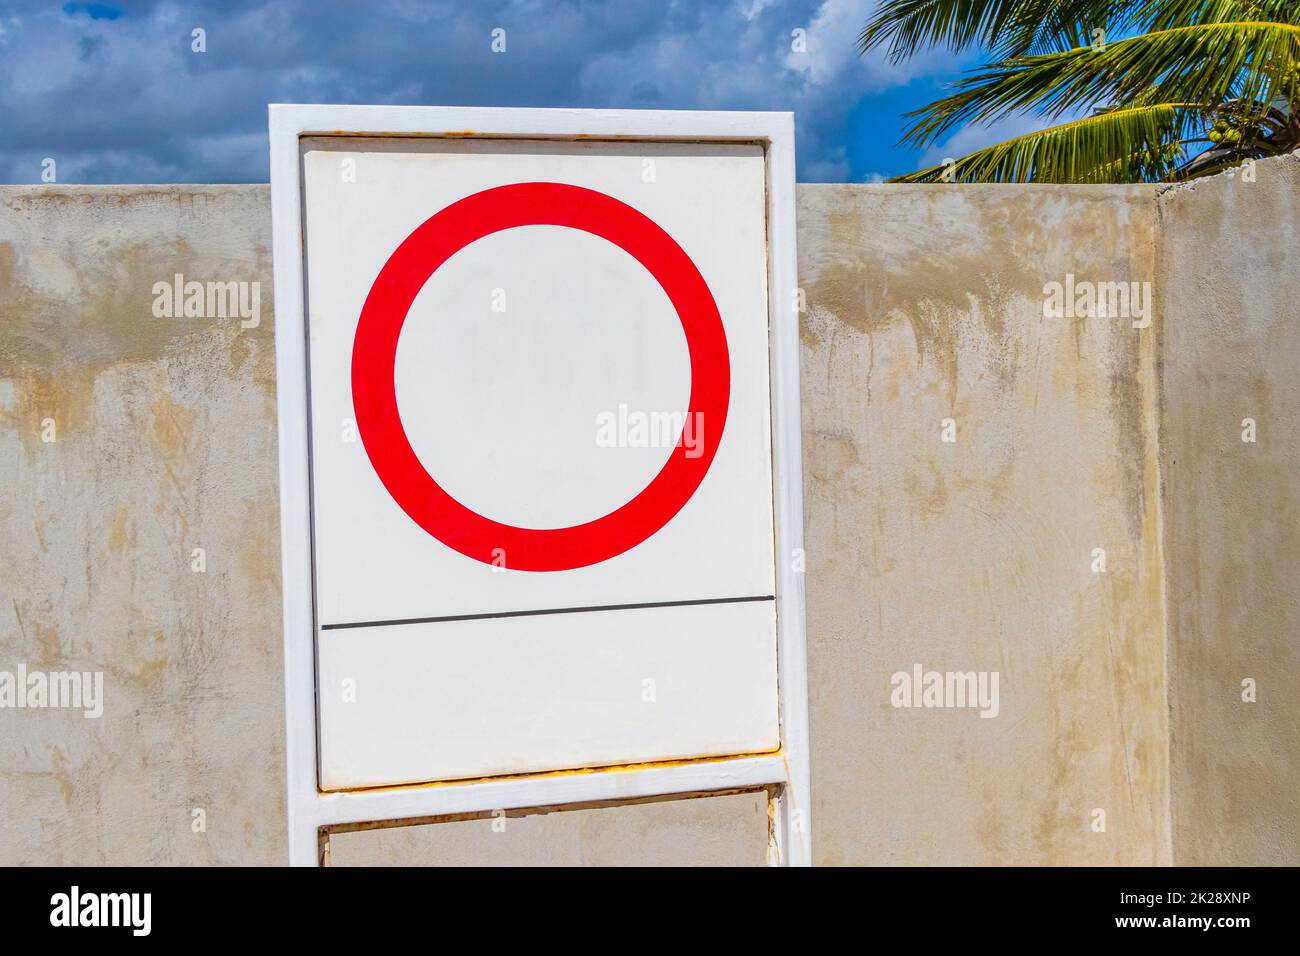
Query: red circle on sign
374 357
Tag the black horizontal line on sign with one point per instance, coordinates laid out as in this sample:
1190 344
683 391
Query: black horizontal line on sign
554 610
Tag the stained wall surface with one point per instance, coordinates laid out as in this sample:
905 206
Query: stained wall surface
1231 300
926 314
163 443
923 304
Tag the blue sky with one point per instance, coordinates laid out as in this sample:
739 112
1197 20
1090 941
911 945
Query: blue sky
113 92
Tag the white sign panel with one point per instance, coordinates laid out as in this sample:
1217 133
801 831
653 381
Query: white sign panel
539 382
545 500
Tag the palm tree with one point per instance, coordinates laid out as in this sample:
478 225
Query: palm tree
1166 89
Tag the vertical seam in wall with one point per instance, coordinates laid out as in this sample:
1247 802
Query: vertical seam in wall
1158 400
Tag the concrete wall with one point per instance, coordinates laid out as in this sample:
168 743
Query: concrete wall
926 304
1231 289
923 304
165 442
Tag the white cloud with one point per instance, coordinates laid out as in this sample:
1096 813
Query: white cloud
755 8
832 40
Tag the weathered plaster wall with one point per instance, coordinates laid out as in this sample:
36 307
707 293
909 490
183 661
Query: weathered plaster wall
925 304
1231 301
164 442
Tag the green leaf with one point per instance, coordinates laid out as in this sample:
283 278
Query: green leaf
1109 147
1008 27
1201 63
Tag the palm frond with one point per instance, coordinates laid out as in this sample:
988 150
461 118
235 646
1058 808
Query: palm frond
1164 14
1031 27
1108 147
1006 27
1203 63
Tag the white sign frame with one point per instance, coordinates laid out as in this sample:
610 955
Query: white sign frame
784 774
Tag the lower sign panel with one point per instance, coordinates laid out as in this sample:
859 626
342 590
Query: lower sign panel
448 700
